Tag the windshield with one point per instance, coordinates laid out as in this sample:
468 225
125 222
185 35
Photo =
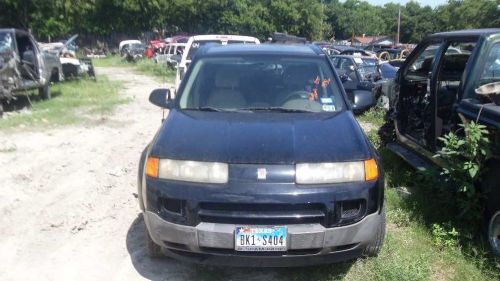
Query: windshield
269 83
6 42
136 46
491 71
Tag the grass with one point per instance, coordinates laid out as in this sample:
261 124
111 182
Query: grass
72 102
143 66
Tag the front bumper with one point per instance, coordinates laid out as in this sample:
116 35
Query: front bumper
213 243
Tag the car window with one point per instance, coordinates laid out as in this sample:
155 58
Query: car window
6 42
366 66
421 67
491 70
253 83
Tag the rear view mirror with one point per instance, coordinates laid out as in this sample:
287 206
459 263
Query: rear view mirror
160 97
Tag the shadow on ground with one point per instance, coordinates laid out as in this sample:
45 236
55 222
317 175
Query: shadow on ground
25 101
169 269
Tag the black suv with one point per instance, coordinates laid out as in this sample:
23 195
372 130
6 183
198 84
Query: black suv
260 162
437 89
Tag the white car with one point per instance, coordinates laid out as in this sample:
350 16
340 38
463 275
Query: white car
198 41
125 44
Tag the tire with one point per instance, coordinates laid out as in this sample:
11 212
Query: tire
491 187
374 247
44 92
387 132
153 250
54 77
494 233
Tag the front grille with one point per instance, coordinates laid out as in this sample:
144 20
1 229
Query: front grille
262 214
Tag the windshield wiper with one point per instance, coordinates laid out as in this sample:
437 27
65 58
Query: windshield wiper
274 108
205 108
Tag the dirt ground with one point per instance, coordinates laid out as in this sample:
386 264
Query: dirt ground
68 199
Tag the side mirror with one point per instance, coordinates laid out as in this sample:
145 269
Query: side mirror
161 97
363 100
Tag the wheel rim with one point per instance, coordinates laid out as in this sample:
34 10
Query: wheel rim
494 232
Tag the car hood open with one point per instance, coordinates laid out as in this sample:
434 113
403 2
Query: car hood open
261 138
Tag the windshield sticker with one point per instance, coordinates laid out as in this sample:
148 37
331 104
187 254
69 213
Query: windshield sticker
328 107
326 100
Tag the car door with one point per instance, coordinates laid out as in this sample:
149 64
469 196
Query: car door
417 86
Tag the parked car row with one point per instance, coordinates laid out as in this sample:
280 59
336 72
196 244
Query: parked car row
27 65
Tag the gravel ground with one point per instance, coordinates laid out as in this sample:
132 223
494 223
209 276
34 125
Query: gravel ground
68 202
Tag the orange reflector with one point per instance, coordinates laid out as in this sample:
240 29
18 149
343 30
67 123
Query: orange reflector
152 167
371 171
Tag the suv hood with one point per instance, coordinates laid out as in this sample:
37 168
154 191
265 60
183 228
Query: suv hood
261 138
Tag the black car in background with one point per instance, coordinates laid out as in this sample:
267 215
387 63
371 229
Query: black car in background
449 80
260 162
360 76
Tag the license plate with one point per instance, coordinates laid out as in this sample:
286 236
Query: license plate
260 238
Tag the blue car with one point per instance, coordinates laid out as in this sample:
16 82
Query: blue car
260 162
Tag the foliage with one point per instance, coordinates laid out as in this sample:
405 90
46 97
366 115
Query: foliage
445 235
464 158
314 19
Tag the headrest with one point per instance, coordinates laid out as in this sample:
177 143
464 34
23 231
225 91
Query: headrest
226 79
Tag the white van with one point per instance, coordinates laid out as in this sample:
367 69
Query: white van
198 41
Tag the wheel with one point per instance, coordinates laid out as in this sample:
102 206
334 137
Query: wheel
373 249
491 187
494 233
387 133
153 250
54 77
44 92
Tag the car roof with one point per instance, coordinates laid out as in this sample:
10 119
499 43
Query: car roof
261 49
222 37
467 32
13 30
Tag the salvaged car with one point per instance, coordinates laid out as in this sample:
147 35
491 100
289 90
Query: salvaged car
123 46
133 52
359 76
24 67
198 41
172 54
441 85
284 175
72 66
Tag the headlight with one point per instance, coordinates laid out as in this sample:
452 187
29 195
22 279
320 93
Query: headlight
192 171
322 173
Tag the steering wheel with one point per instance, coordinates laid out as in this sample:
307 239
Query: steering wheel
301 94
